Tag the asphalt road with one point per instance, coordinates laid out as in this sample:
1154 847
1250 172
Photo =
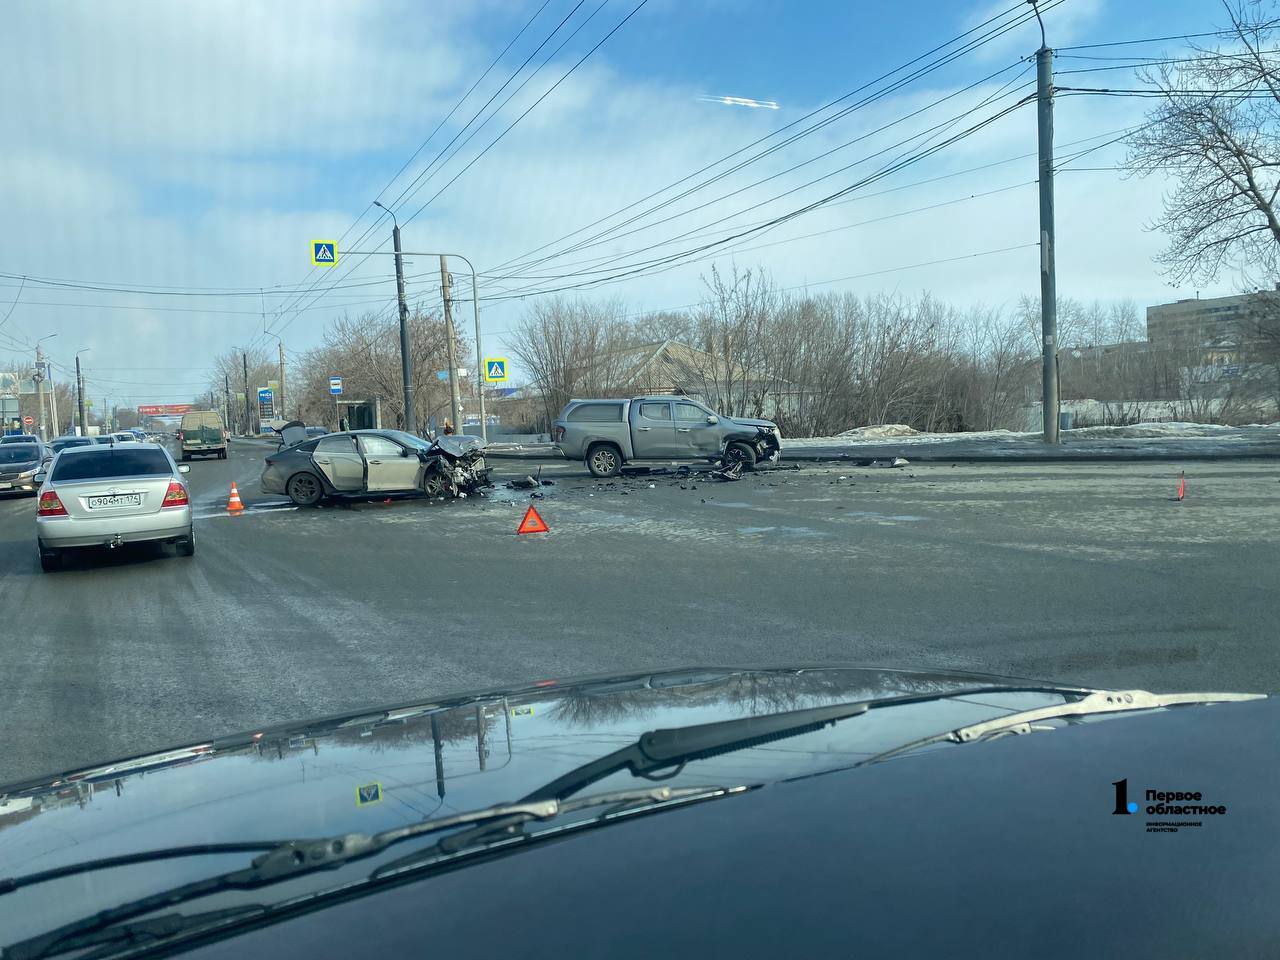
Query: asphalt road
1087 573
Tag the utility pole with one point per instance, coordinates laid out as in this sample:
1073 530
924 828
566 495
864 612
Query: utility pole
451 349
226 400
480 371
39 378
406 359
280 399
1048 271
84 424
248 402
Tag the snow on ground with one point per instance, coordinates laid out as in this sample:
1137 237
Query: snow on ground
1179 430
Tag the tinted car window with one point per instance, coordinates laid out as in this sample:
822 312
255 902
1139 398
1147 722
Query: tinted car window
72 442
335 445
687 411
597 412
116 462
655 411
19 452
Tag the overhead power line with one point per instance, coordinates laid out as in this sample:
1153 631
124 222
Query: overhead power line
525 260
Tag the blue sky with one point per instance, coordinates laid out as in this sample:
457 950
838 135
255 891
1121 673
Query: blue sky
204 146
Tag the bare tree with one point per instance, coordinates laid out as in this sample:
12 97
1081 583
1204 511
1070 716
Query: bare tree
1216 131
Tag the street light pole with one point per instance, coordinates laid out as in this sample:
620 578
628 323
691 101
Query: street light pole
406 358
475 312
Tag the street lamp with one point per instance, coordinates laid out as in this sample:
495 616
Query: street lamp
406 361
279 402
84 425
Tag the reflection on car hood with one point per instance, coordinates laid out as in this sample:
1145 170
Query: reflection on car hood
317 778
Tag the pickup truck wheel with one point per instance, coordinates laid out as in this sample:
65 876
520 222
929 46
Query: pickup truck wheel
304 490
742 453
604 460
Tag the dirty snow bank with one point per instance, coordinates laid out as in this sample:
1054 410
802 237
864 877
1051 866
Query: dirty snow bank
877 435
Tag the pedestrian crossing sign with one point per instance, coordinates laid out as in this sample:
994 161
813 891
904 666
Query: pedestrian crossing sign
324 253
495 369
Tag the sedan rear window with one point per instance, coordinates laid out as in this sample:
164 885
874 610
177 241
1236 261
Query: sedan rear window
115 462
597 411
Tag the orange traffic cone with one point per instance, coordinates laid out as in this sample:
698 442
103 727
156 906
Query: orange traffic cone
1182 486
234 505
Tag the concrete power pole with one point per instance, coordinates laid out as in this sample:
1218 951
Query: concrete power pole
39 378
451 347
280 399
406 358
248 401
84 424
226 401
1048 271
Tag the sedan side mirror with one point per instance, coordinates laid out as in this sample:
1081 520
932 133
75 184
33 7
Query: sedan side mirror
713 419
184 468
40 477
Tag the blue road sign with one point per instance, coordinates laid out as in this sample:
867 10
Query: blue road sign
335 385
324 253
495 369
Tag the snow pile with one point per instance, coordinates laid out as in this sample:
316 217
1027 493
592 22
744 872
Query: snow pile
880 432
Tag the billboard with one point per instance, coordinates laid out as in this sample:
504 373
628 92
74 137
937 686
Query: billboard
164 409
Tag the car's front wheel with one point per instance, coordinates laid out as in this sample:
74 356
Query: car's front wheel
739 452
304 489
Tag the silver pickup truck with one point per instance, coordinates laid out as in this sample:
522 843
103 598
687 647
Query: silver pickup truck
608 433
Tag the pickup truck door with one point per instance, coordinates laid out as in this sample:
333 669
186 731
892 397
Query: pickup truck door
338 459
391 466
696 438
653 434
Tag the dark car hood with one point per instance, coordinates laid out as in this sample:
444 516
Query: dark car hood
457 754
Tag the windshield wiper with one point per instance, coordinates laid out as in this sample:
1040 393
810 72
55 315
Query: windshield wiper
294 858
1099 702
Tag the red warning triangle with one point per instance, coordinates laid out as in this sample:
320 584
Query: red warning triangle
532 523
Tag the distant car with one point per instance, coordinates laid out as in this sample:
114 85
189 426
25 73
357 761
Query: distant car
61 443
19 438
202 433
317 431
19 465
124 437
104 438
107 496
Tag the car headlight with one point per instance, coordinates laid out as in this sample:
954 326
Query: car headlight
28 474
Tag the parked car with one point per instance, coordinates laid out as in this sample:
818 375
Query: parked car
203 433
105 438
107 496
20 463
19 438
763 813
363 462
608 433
61 443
